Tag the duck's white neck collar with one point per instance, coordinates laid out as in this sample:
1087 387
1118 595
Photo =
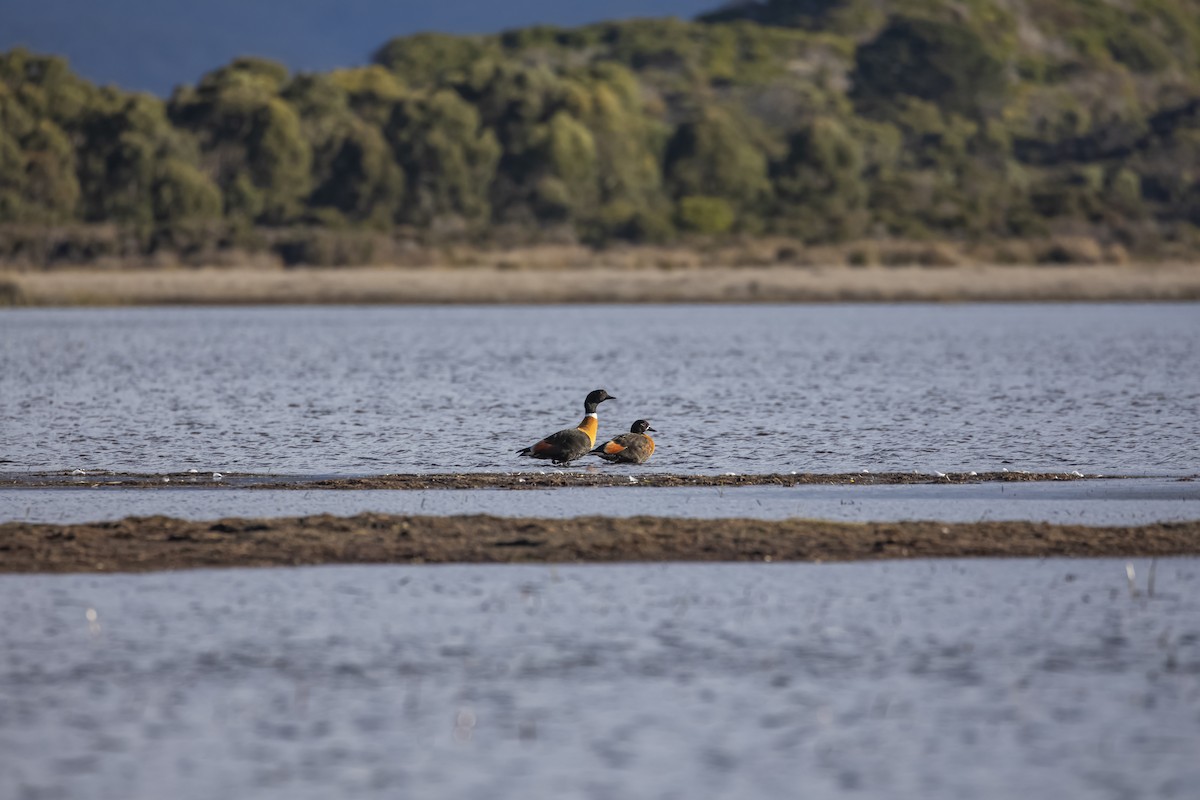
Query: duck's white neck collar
591 414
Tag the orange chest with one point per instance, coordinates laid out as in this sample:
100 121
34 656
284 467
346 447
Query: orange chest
590 426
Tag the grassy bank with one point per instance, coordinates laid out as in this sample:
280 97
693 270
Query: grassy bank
501 283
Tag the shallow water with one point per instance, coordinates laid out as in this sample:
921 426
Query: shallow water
1099 388
983 679
1109 502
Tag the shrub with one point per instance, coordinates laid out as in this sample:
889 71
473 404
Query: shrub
701 214
10 293
947 63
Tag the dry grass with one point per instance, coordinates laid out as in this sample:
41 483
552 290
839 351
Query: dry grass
648 276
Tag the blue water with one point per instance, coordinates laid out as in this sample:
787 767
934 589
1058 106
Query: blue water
344 390
1108 502
944 679
983 679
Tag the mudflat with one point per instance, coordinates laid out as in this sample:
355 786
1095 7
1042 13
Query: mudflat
141 544
549 478
601 284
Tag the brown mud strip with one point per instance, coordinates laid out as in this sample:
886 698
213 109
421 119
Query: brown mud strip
551 478
140 544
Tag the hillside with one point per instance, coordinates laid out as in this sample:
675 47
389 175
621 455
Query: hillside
820 121
152 46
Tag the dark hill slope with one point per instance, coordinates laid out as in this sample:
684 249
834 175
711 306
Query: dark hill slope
826 121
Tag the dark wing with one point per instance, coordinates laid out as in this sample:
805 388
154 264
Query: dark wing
564 445
566 438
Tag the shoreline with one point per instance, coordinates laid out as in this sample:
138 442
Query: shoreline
550 478
144 544
499 284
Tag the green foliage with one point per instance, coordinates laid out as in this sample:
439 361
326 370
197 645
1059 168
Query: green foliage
820 185
625 221
431 59
628 142
842 16
181 193
40 100
948 63
371 91
12 178
569 153
278 159
15 120
825 120
712 156
250 138
243 200
1144 36
45 86
521 106
1140 50
358 176
710 215
51 189
448 157
128 151
353 172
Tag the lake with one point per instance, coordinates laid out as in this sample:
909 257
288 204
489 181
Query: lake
347 390
943 679
1108 502
922 679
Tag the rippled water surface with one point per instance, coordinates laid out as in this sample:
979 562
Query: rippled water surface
1110 502
980 679
1110 388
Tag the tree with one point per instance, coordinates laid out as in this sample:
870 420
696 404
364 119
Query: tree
45 86
182 193
358 175
449 159
712 157
947 63
569 151
820 184
123 156
51 188
353 171
12 178
710 215
516 103
372 92
851 18
431 59
250 139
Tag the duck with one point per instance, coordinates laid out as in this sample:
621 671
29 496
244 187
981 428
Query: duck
629 448
571 443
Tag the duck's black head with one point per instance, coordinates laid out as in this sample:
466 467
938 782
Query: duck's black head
641 426
594 399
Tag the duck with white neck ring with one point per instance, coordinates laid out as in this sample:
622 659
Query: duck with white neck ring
571 443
